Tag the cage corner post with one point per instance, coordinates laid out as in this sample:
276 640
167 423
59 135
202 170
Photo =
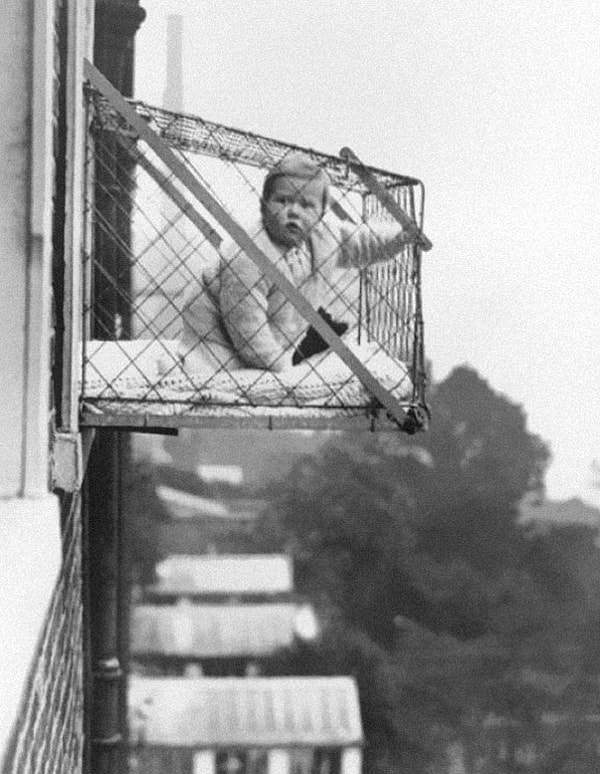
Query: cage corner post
116 23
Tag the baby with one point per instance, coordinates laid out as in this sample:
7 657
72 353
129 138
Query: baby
241 318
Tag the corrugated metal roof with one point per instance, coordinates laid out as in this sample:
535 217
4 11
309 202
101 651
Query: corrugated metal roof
245 712
184 505
212 631
224 574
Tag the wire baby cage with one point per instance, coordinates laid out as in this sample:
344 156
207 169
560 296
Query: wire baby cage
197 312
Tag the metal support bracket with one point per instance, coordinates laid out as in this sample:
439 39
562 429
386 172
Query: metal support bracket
70 454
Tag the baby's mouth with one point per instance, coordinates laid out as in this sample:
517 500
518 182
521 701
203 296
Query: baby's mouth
295 232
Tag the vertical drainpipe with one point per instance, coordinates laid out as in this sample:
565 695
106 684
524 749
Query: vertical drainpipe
116 23
104 725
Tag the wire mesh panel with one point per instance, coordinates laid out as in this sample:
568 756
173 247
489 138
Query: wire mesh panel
312 322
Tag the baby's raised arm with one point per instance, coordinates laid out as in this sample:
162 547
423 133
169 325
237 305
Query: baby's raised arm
363 245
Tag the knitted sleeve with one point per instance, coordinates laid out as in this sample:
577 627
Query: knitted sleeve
360 246
244 292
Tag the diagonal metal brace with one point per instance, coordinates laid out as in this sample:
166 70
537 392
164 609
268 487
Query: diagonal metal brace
245 242
390 204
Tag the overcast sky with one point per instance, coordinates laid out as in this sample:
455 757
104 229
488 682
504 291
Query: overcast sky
496 107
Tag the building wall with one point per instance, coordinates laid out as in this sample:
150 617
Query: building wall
40 592
29 514
15 58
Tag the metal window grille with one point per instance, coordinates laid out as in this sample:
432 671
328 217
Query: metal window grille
153 278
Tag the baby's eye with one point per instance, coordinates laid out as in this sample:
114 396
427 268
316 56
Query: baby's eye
282 199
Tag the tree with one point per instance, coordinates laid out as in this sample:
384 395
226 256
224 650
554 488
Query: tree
419 527
414 548
481 436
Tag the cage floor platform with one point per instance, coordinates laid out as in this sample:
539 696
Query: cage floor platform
137 385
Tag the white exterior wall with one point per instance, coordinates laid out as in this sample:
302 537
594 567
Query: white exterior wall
29 564
15 65
29 514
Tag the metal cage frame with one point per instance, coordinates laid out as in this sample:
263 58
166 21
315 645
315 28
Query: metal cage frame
170 135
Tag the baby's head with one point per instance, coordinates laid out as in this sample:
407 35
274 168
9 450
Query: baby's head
295 196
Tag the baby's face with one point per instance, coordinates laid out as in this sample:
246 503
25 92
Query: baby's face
293 209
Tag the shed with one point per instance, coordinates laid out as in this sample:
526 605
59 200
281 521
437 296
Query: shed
201 525
248 576
228 635
275 723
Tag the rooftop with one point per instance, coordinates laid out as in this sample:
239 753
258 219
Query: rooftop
218 631
226 574
249 712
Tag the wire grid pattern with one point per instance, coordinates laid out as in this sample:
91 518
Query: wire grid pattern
152 259
390 289
49 739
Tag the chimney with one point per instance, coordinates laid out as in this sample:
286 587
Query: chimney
173 95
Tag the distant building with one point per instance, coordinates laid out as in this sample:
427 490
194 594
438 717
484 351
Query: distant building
183 505
216 640
559 512
287 725
223 474
247 577
200 525
262 457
